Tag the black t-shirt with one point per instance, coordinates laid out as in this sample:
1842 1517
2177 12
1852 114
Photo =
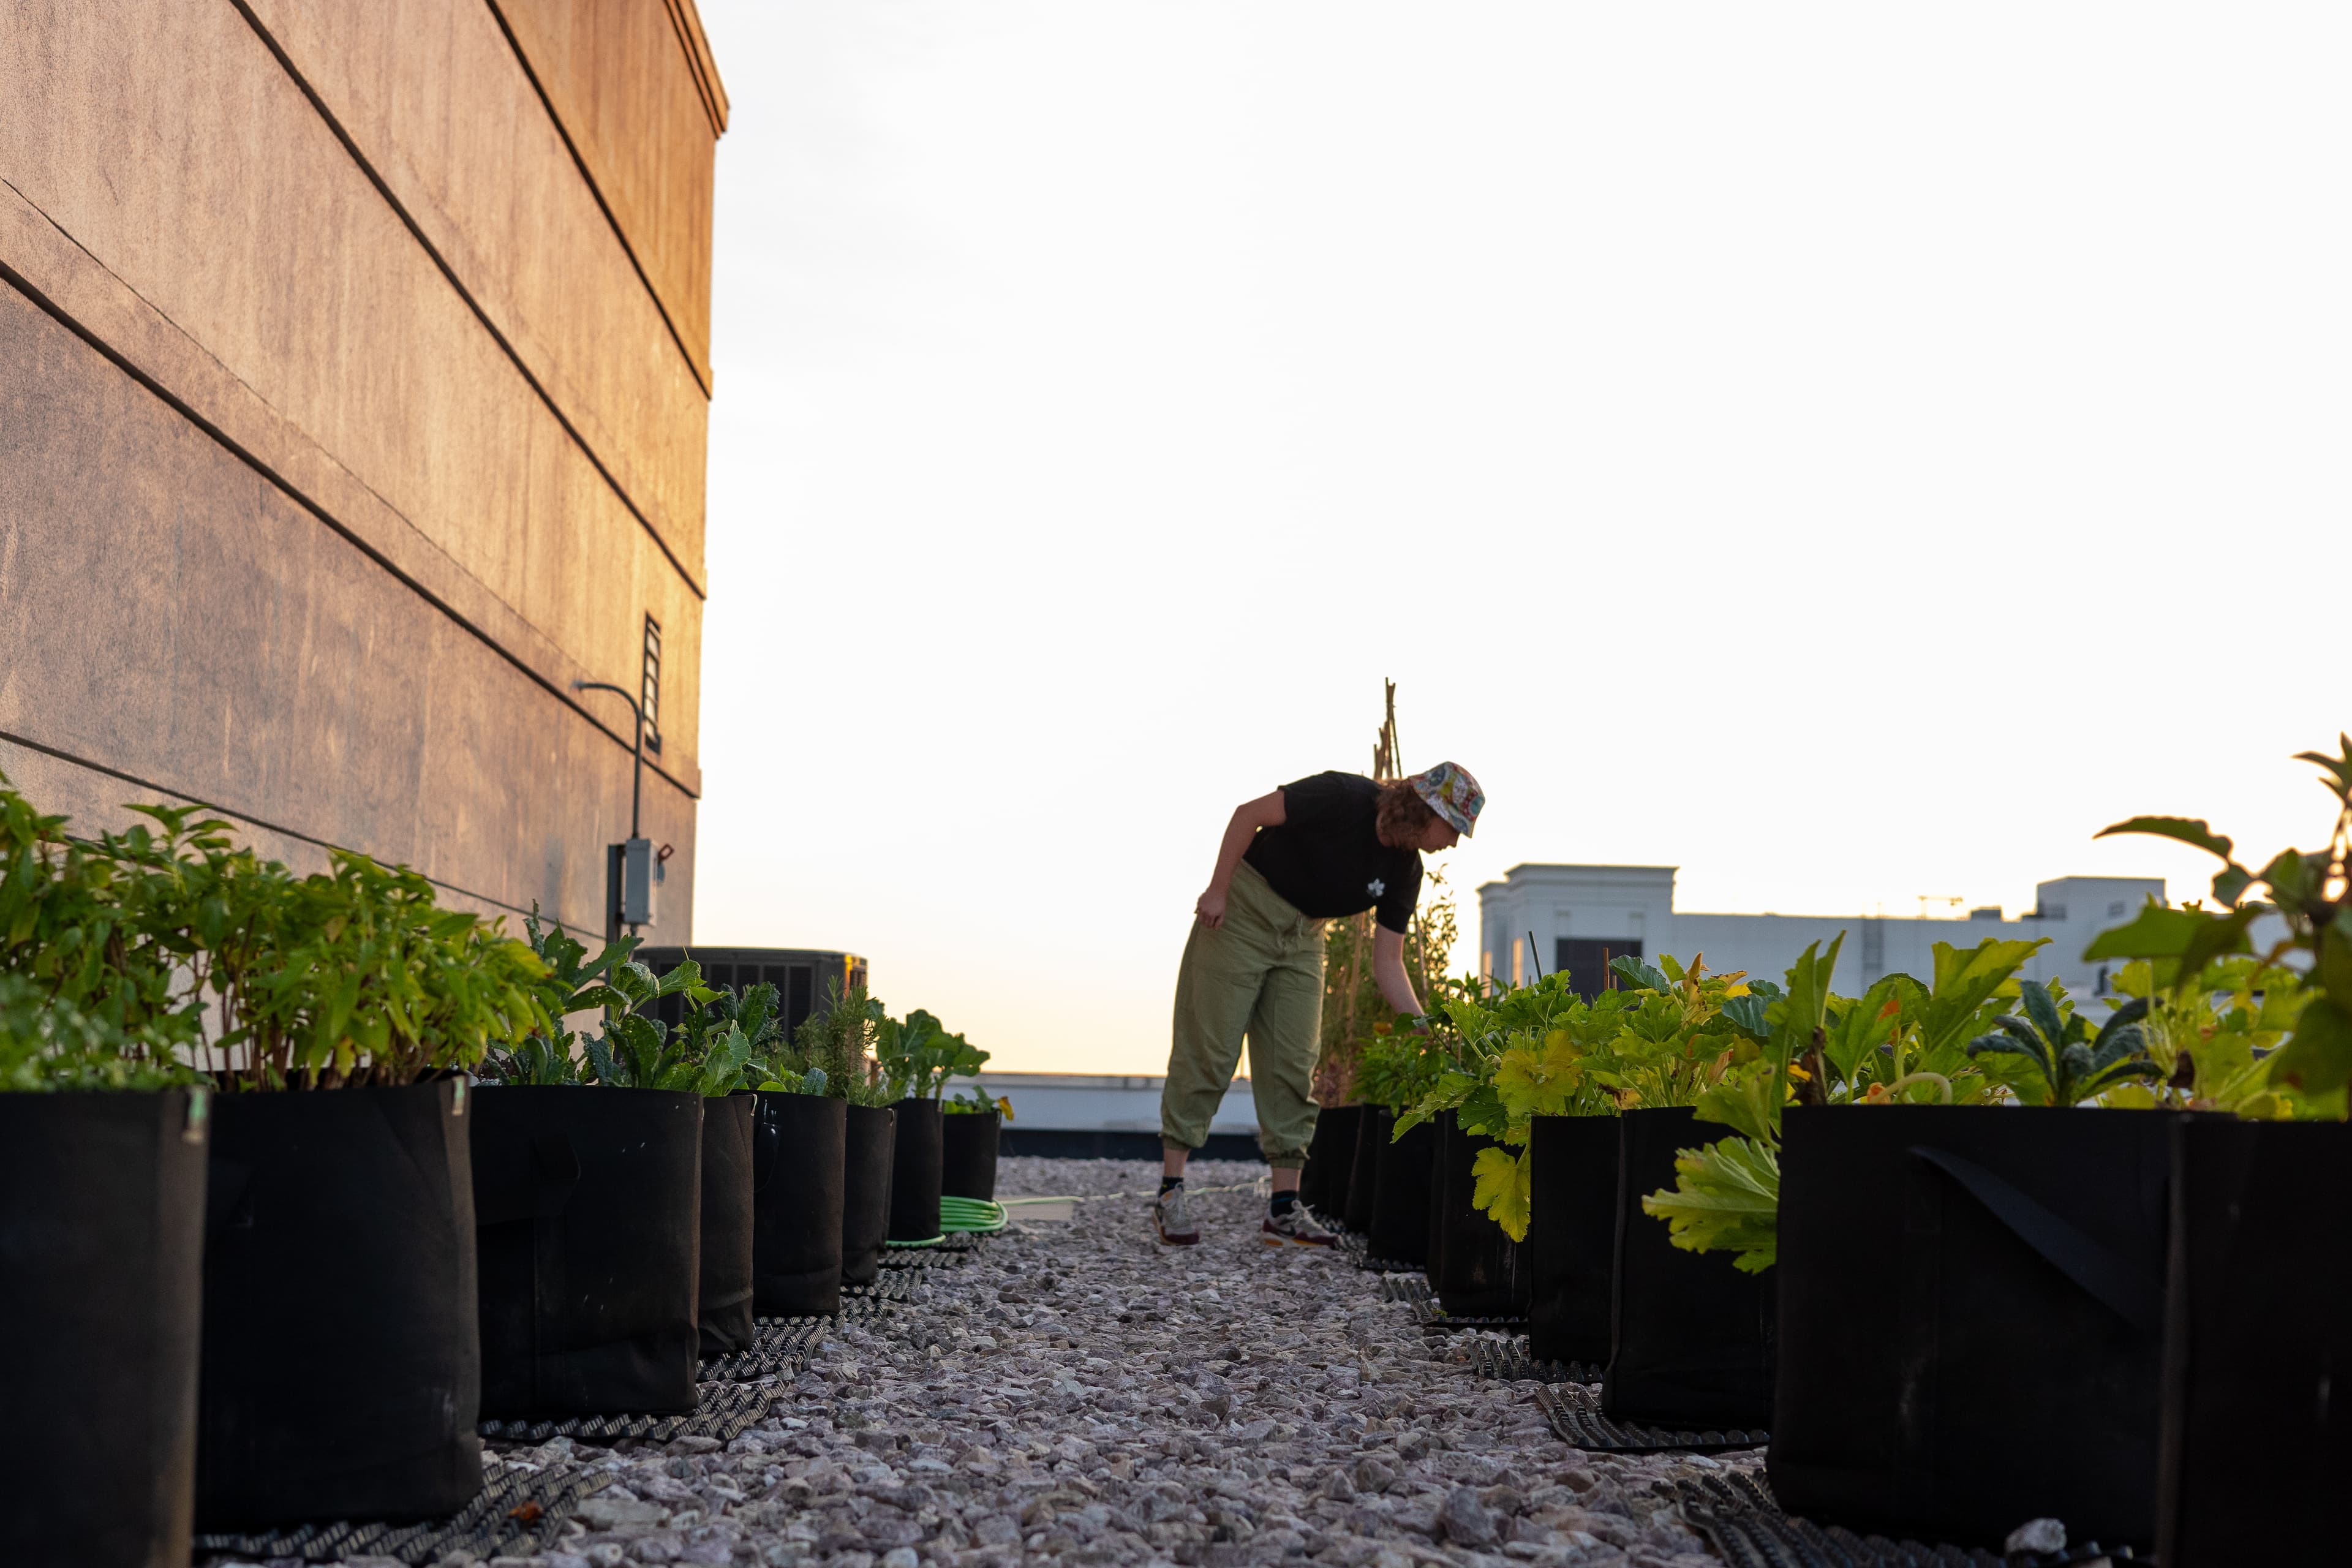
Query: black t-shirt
1327 858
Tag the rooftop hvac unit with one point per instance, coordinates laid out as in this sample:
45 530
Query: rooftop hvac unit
804 978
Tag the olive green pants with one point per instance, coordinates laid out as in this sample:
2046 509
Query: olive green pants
1259 975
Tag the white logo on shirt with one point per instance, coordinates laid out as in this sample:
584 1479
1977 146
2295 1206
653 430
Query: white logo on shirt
1376 887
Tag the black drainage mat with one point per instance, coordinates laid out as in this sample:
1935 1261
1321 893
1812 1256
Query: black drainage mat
1371 1265
1739 1519
781 1350
1401 1286
1508 1360
959 1247
1434 1318
520 1513
727 1411
896 1286
1574 1411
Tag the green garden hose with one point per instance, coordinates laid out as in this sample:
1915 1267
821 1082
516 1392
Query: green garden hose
970 1214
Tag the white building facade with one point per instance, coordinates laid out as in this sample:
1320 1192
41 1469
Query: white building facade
1542 918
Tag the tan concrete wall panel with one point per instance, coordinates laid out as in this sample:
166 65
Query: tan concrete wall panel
168 612
171 145
434 98
619 76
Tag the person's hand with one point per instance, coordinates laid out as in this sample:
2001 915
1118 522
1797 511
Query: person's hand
1212 908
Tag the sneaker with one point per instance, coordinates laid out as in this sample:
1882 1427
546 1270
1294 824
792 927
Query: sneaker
1172 1217
1298 1225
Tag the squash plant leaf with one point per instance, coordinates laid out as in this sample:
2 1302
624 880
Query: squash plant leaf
1726 1197
1501 1187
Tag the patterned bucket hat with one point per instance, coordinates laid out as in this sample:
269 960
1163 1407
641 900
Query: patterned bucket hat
1453 794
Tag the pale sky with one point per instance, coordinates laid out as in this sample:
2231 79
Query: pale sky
1848 452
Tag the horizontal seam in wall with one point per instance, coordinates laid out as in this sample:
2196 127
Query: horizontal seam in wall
416 231
220 437
229 811
588 178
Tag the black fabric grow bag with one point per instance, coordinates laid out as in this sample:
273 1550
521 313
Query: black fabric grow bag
915 1173
968 1155
1571 1236
796 1210
1970 1300
1691 1337
1372 1130
588 1206
1400 1229
342 1378
1443 1131
101 1255
723 1296
2253 1438
1331 1158
867 1153
1480 1275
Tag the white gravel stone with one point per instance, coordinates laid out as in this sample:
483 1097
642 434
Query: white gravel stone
1079 1392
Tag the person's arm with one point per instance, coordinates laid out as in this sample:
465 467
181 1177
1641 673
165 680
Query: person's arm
1388 968
1265 811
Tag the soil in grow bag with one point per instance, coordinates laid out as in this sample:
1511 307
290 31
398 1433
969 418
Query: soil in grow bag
796 1166
867 1153
723 1296
2253 1438
1364 1171
342 1376
102 1252
1691 1337
1970 1300
1481 1274
1572 1236
915 1172
588 1206
968 1155
1400 1231
1331 1158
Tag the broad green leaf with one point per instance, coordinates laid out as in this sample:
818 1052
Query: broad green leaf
2318 1060
2189 830
1501 1189
1726 1197
2160 932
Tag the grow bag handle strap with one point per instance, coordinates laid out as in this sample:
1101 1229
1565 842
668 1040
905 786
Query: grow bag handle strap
2099 1273
766 1140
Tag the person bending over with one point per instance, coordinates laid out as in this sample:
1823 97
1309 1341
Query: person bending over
1336 844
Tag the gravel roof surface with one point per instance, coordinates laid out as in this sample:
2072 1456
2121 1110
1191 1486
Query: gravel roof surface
1079 1392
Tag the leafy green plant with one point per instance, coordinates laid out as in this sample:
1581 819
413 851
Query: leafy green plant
1899 1043
114 928
2210 1039
1509 1055
55 1046
973 1101
917 1055
834 1049
2310 891
571 983
708 1053
2049 1056
356 977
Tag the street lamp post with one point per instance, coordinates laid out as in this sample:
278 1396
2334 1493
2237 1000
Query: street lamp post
616 873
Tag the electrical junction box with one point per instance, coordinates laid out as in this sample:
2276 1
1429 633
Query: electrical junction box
637 882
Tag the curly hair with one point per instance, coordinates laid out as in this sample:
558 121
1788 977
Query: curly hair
1403 817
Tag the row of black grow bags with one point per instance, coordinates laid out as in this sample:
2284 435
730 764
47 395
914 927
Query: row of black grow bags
307 1302
2129 1320
1362 1177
